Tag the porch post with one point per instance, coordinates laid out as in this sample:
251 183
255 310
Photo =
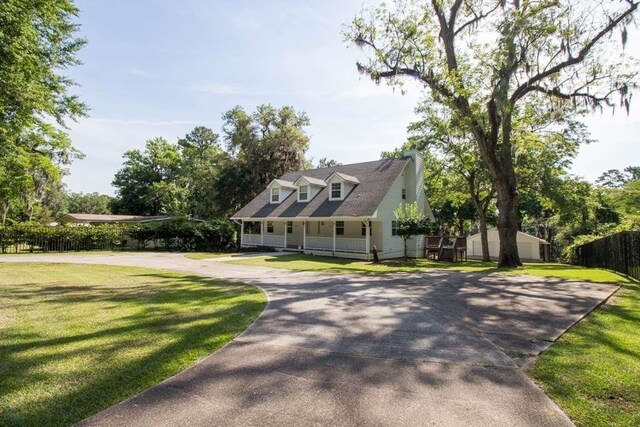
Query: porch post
304 235
261 233
367 238
334 236
286 224
241 232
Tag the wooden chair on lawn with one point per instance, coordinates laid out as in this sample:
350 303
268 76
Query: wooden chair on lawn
432 246
460 249
446 252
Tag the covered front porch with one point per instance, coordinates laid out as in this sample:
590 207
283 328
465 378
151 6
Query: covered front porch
347 238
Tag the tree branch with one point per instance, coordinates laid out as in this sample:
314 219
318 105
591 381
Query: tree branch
573 60
477 18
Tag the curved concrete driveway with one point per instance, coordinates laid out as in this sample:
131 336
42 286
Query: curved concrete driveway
407 349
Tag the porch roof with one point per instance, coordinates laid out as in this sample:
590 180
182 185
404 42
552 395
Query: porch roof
376 178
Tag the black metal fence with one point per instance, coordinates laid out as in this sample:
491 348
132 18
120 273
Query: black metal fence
619 252
22 239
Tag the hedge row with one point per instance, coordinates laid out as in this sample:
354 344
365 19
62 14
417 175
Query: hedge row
175 234
32 238
184 235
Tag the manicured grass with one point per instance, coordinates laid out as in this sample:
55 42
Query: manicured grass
593 371
75 339
340 265
207 255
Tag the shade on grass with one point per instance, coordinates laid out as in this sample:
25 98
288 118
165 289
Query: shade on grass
340 265
75 339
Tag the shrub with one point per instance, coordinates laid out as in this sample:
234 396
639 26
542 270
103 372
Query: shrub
179 234
185 235
569 252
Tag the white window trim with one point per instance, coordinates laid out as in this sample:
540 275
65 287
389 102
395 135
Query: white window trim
271 195
331 191
272 225
308 189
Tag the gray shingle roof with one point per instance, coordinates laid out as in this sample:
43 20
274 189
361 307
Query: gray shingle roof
375 180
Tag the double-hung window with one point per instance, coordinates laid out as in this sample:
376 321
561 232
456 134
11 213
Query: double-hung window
289 227
275 195
340 228
404 194
269 226
303 193
394 228
336 190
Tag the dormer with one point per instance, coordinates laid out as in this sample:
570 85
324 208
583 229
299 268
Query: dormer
340 185
280 190
308 187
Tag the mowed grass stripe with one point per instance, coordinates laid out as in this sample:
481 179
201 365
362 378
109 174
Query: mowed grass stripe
75 339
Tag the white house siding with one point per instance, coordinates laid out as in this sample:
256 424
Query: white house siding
411 180
295 239
392 246
528 246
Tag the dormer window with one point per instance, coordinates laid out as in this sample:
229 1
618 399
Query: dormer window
336 191
303 193
279 190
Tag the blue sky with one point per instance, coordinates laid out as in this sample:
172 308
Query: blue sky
162 67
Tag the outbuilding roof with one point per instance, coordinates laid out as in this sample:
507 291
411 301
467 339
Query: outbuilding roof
375 179
99 218
520 233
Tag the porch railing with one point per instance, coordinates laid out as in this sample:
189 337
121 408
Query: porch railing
252 239
342 244
274 240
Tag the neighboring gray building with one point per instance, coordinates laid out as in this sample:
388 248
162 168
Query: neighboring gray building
341 211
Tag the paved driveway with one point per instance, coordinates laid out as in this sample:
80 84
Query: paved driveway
435 348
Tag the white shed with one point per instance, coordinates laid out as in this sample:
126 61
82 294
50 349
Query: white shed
528 245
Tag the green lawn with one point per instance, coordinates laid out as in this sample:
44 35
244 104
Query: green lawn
593 371
75 339
340 265
207 255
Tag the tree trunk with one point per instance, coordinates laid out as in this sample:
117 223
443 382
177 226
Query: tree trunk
481 209
5 212
484 238
405 248
499 160
508 226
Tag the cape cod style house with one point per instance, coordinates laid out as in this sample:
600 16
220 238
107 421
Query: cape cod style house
340 211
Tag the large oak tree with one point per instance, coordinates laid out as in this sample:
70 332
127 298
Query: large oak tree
483 60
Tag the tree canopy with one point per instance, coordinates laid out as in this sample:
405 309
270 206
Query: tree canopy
199 177
482 62
37 42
